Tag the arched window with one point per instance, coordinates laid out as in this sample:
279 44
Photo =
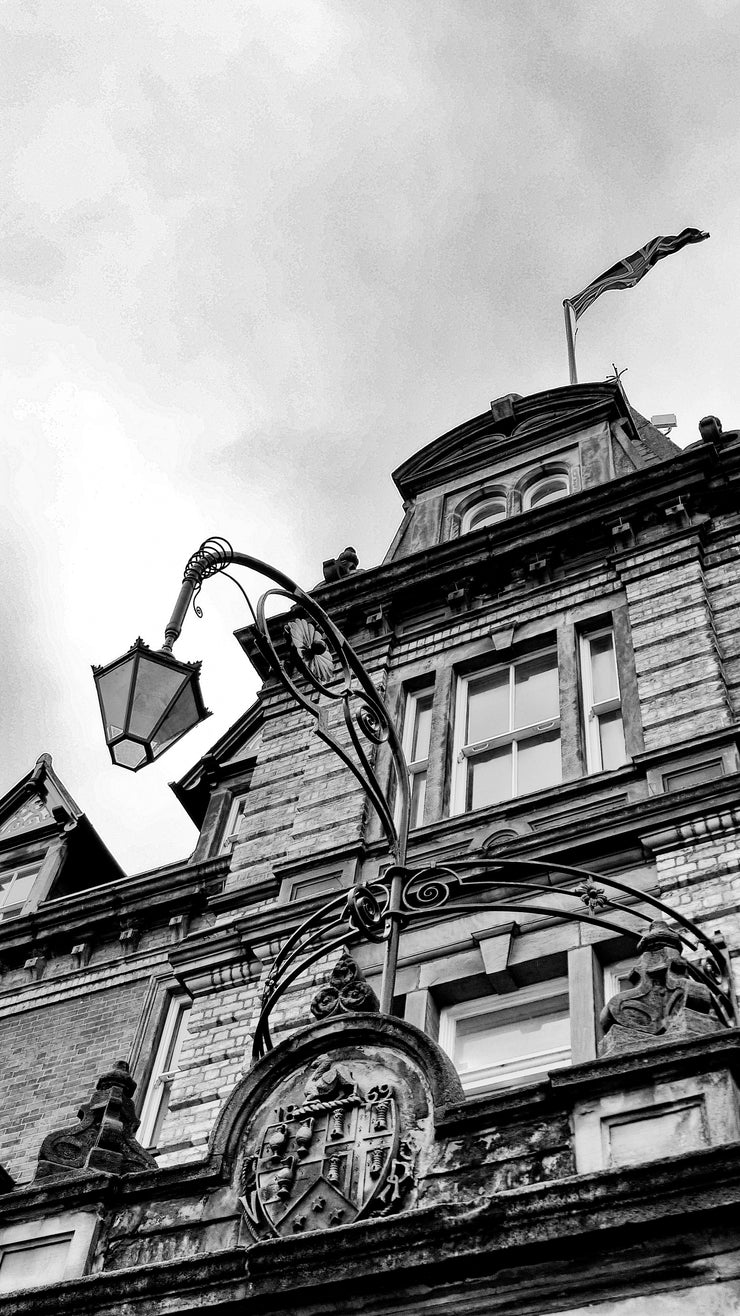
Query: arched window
485 512
545 490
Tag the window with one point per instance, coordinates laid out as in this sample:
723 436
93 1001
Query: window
164 1071
602 709
16 885
485 512
507 732
416 730
232 827
496 1041
546 490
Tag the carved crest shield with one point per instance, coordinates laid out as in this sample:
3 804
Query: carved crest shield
328 1156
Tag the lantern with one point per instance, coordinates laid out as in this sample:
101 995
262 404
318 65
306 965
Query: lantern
148 700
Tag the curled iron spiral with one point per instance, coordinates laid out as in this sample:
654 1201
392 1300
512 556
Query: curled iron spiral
215 554
363 912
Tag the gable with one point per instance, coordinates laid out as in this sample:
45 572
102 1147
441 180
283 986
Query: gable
516 424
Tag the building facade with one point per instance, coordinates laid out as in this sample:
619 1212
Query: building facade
547 1118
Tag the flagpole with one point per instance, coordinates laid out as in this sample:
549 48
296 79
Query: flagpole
570 335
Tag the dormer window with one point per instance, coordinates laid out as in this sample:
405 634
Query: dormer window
16 885
545 490
484 512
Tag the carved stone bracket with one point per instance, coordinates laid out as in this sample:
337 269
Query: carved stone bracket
662 1004
104 1138
347 992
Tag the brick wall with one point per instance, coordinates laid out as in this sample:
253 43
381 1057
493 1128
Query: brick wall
51 1059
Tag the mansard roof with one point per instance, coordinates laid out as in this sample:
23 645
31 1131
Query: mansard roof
513 423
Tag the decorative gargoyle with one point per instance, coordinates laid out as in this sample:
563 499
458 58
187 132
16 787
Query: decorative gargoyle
663 1002
104 1138
346 992
336 568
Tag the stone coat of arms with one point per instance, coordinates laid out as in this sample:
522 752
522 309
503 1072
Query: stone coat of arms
330 1152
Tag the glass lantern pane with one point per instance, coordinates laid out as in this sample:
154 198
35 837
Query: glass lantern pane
156 687
128 754
182 716
114 688
536 690
488 707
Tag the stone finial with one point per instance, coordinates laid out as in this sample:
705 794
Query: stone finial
104 1138
346 993
336 568
662 1003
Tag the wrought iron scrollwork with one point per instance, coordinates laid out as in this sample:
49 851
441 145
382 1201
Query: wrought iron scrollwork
319 669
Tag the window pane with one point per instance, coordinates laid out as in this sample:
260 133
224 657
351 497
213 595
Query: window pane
603 669
422 727
114 692
538 763
181 717
156 685
548 490
611 736
489 778
488 707
16 893
536 690
418 796
487 514
482 1041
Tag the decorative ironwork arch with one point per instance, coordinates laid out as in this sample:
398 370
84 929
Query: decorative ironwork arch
319 669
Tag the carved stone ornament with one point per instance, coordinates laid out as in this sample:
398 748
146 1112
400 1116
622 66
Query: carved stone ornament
345 992
329 1152
335 1125
662 1004
104 1138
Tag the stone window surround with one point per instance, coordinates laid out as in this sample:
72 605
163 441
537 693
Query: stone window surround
80 1227
501 957
175 1003
526 1002
565 630
513 487
45 855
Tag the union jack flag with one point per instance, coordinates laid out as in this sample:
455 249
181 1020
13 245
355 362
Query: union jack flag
626 273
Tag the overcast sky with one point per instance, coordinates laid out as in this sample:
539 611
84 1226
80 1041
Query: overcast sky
255 254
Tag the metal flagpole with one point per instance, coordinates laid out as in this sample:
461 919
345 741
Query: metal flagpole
570 335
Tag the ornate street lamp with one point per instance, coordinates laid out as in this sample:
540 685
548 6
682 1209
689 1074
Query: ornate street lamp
149 701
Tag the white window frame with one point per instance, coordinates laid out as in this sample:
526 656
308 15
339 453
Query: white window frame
531 490
614 972
479 507
415 766
593 711
8 879
237 809
526 1068
462 752
164 1070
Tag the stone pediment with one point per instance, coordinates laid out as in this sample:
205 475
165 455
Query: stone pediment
36 802
515 422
